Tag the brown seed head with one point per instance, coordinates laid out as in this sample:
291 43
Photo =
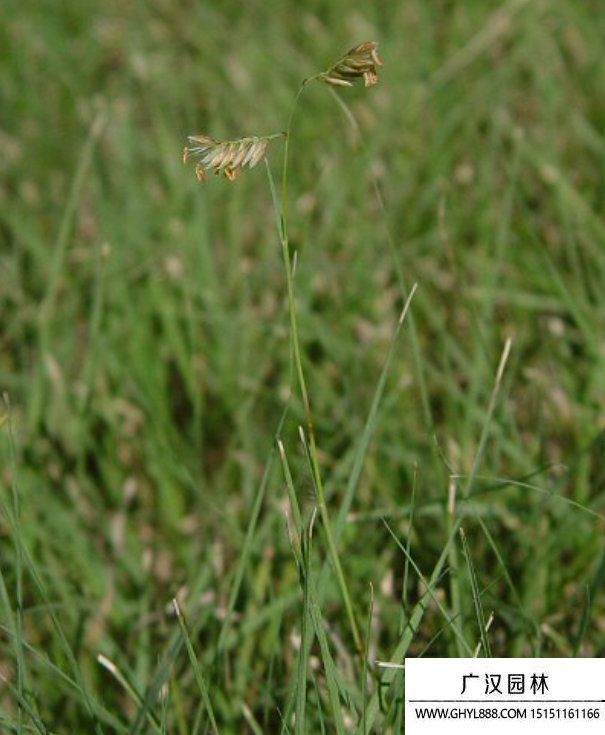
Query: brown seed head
361 62
225 156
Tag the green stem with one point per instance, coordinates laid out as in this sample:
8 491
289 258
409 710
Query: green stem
323 507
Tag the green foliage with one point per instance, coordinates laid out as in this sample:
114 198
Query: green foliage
146 353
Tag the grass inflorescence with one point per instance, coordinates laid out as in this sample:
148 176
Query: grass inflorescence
214 440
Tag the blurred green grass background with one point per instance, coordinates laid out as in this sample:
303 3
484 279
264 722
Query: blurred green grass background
145 345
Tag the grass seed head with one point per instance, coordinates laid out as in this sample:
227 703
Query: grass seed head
361 62
224 157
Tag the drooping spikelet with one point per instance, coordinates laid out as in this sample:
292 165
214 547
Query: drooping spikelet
361 62
224 156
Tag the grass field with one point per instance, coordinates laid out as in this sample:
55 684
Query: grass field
147 361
